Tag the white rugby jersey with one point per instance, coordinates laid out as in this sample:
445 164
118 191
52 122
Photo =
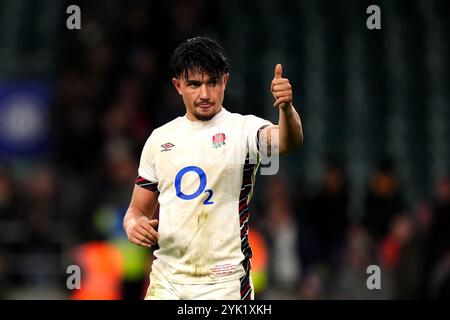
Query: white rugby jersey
204 173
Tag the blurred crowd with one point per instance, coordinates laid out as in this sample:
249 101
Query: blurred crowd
112 89
318 252
65 205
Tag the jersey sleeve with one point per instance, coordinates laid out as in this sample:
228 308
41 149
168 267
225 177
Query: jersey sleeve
147 177
253 124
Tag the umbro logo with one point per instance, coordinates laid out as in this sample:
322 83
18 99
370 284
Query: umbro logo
167 146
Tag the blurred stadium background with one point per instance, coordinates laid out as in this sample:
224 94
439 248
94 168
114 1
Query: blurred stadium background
369 186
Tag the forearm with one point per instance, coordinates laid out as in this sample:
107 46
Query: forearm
290 129
143 204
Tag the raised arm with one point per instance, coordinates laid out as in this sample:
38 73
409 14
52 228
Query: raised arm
136 223
289 129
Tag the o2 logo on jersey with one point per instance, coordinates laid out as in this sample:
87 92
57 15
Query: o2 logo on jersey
201 188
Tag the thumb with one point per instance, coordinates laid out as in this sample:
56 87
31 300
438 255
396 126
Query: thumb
278 71
153 223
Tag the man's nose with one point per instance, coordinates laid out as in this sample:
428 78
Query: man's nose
204 92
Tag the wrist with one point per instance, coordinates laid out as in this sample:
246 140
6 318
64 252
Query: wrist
128 224
287 109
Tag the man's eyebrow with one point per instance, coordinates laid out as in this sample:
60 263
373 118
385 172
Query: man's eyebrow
193 81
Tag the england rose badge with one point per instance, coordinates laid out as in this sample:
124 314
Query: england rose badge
218 140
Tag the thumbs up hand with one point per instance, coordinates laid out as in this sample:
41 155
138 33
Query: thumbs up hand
281 89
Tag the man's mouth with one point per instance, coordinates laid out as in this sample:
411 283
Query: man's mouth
205 105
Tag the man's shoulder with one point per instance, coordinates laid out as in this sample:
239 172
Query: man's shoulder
239 116
159 132
168 127
246 118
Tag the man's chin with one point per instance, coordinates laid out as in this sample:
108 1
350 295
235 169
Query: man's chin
205 116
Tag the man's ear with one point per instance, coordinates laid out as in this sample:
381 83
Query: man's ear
177 84
226 76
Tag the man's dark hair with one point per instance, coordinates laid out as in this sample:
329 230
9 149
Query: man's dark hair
201 55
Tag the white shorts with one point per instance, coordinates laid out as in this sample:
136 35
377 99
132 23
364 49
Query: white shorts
161 289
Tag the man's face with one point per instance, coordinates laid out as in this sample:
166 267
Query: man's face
202 95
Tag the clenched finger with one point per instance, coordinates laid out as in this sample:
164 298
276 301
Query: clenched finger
146 226
279 81
145 239
281 87
154 223
138 238
141 243
282 100
152 232
278 95
150 235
